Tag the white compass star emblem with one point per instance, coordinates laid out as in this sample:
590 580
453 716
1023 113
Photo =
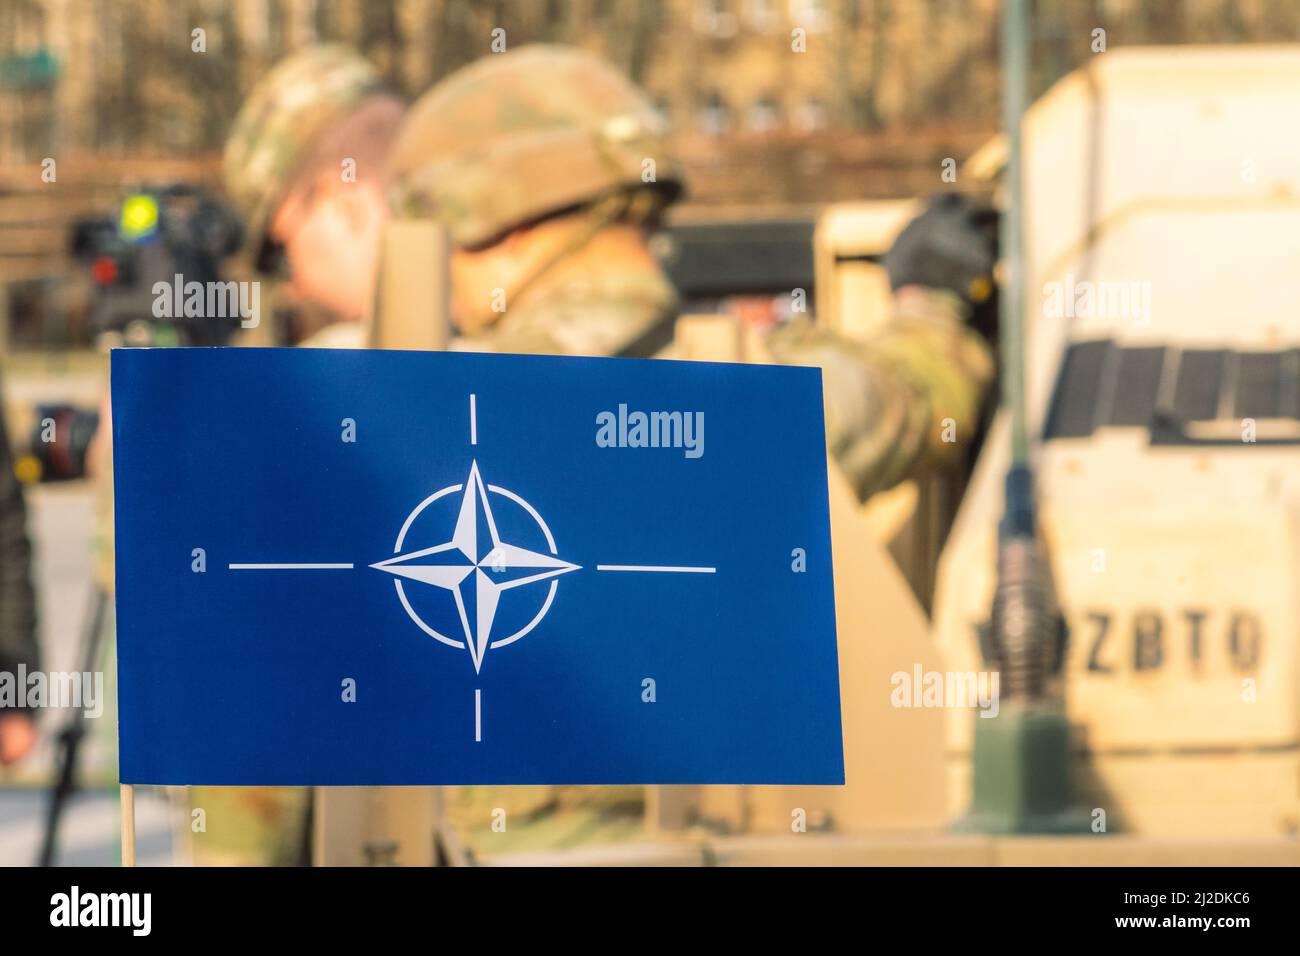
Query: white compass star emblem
475 566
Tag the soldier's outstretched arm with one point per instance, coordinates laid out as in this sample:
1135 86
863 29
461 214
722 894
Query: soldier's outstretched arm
911 395
893 400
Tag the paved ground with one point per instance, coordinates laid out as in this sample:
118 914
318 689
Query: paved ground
88 834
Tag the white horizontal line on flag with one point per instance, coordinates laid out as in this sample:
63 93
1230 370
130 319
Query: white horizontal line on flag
652 567
291 567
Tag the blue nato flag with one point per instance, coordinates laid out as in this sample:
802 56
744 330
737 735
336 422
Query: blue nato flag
381 568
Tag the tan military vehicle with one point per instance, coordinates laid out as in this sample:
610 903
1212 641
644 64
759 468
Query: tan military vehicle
1162 217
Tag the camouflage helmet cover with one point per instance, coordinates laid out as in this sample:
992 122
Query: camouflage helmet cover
518 135
285 112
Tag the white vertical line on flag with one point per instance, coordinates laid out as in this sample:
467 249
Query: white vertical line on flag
473 420
478 715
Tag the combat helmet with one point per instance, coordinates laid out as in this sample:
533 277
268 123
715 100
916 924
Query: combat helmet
287 110
518 136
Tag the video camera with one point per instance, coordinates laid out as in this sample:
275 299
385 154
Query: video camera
156 235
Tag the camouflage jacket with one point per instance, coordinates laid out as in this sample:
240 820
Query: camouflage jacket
910 396
615 312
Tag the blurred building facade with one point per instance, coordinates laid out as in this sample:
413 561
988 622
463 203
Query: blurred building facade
145 78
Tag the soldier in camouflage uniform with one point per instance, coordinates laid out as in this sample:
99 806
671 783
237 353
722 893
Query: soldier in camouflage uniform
305 163
548 169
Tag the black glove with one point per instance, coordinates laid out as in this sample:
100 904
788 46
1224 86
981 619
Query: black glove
952 245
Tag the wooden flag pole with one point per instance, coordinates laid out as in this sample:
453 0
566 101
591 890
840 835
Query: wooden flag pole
353 826
128 824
